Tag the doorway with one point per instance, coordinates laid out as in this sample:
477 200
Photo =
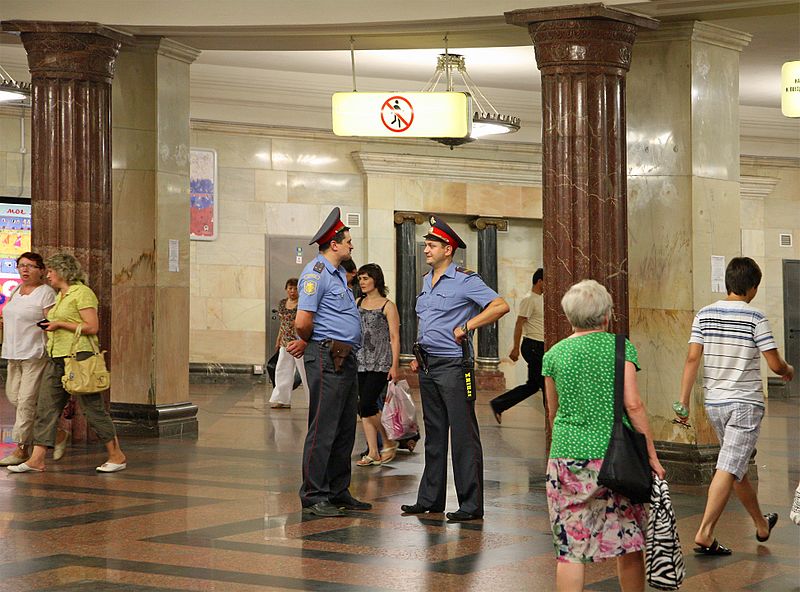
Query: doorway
286 256
791 318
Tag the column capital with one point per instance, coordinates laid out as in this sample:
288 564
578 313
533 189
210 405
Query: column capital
164 46
417 217
69 50
697 31
591 36
482 222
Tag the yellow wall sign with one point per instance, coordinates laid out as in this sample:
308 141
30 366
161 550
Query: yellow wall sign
790 95
399 114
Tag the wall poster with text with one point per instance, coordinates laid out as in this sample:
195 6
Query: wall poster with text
15 239
203 194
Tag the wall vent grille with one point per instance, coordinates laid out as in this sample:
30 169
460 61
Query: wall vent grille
785 240
353 220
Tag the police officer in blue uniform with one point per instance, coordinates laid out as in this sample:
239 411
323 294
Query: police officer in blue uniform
328 329
454 302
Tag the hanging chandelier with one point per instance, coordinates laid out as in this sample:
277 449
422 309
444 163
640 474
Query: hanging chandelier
12 90
486 120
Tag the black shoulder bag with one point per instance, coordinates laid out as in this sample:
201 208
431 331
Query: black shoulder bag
625 468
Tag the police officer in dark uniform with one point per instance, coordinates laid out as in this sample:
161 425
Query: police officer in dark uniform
454 301
328 334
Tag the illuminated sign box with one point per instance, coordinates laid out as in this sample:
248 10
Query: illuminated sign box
790 82
409 115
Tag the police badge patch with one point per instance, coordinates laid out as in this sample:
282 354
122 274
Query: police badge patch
309 287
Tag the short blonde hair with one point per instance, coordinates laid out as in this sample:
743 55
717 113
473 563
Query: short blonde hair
67 267
587 305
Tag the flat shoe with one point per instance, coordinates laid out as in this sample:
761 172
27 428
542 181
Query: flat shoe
713 549
388 454
498 417
772 520
280 406
418 509
368 461
12 460
61 447
460 516
24 468
109 467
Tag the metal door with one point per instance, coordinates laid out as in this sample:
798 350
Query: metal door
791 319
286 257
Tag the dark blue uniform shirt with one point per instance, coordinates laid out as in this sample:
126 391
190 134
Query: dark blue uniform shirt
457 297
323 290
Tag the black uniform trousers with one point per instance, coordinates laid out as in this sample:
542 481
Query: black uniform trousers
448 413
333 402
532 352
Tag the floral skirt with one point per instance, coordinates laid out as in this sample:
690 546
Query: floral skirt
590 523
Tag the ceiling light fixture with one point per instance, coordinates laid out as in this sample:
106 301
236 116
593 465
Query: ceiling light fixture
486 120
12 90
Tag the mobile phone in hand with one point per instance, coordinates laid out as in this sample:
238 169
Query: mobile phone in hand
43 324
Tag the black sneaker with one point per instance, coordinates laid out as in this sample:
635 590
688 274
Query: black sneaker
324 509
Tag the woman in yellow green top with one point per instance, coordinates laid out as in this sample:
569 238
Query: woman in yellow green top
76 305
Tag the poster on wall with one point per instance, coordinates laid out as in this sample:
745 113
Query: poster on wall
203 194
15 239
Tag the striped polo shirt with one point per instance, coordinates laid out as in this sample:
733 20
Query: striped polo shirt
733 335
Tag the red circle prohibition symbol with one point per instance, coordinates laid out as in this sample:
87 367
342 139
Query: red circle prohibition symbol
397 122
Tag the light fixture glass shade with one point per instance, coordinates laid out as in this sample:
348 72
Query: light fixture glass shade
12 90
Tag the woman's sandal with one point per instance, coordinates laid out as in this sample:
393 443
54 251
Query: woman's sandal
388 454
713 549
772 520
367 461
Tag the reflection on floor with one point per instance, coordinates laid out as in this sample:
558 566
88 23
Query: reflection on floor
221 513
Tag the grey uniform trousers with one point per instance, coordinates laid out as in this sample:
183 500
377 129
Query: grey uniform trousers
332 407
448 413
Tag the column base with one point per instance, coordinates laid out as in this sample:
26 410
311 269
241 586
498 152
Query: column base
693 464
485 380
200 373
176 420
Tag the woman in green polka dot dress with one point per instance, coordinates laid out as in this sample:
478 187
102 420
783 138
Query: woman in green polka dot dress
591 523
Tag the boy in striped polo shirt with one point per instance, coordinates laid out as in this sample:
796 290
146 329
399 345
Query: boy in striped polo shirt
728 336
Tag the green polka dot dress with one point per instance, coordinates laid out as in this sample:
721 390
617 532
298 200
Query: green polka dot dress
583 370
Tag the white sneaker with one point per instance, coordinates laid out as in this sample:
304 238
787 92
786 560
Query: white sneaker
795 513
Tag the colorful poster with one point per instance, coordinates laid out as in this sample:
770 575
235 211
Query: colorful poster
15 239
203 194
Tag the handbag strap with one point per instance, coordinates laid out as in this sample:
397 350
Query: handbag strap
95 346
619 377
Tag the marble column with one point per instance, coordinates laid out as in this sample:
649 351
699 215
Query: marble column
487 228
406 228
684 207
151 217
72 66
583 53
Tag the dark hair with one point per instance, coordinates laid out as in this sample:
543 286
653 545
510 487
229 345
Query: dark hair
374 271
290 282
741 275
337 238
349 265
537 275
35 257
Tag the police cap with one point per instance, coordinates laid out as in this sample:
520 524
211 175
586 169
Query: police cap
329 228
441 232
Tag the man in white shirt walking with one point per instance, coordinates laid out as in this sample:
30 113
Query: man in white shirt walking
530 328
728 337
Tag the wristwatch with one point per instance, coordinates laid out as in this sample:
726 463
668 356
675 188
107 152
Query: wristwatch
464 327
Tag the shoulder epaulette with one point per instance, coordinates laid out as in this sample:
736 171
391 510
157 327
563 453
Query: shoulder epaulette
465 270
319 266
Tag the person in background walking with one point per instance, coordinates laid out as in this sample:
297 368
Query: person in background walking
284 370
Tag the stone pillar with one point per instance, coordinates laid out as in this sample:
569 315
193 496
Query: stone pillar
583 53
406 227
151 212
72 66
684 207
487 228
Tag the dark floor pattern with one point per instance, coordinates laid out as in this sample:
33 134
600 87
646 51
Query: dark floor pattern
222 514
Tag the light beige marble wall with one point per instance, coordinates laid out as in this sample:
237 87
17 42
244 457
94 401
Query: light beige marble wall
683 199
274 184
150 175
15 151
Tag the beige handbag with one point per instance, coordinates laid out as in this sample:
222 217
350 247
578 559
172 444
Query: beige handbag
88 376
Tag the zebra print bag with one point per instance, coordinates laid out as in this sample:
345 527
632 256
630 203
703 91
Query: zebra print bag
664 560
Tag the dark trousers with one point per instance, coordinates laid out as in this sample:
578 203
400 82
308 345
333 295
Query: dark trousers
532 352
448 413
333 400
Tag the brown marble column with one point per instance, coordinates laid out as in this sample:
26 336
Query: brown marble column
72 65
583 53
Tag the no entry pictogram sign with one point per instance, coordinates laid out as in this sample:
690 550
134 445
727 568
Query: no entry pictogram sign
397 114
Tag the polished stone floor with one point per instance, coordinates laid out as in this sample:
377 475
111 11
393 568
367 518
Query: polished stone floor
221 514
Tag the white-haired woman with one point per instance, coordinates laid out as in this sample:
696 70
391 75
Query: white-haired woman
76 305
589 522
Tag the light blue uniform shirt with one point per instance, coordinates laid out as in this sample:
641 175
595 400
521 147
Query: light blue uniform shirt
323 290
457 297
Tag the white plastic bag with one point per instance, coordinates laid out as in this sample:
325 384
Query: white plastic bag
399 412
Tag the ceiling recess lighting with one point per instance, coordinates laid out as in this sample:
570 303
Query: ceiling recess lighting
12 90
486 120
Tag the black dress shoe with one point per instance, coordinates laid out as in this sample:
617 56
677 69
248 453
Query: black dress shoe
460 516
417 509
324 509
351 504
